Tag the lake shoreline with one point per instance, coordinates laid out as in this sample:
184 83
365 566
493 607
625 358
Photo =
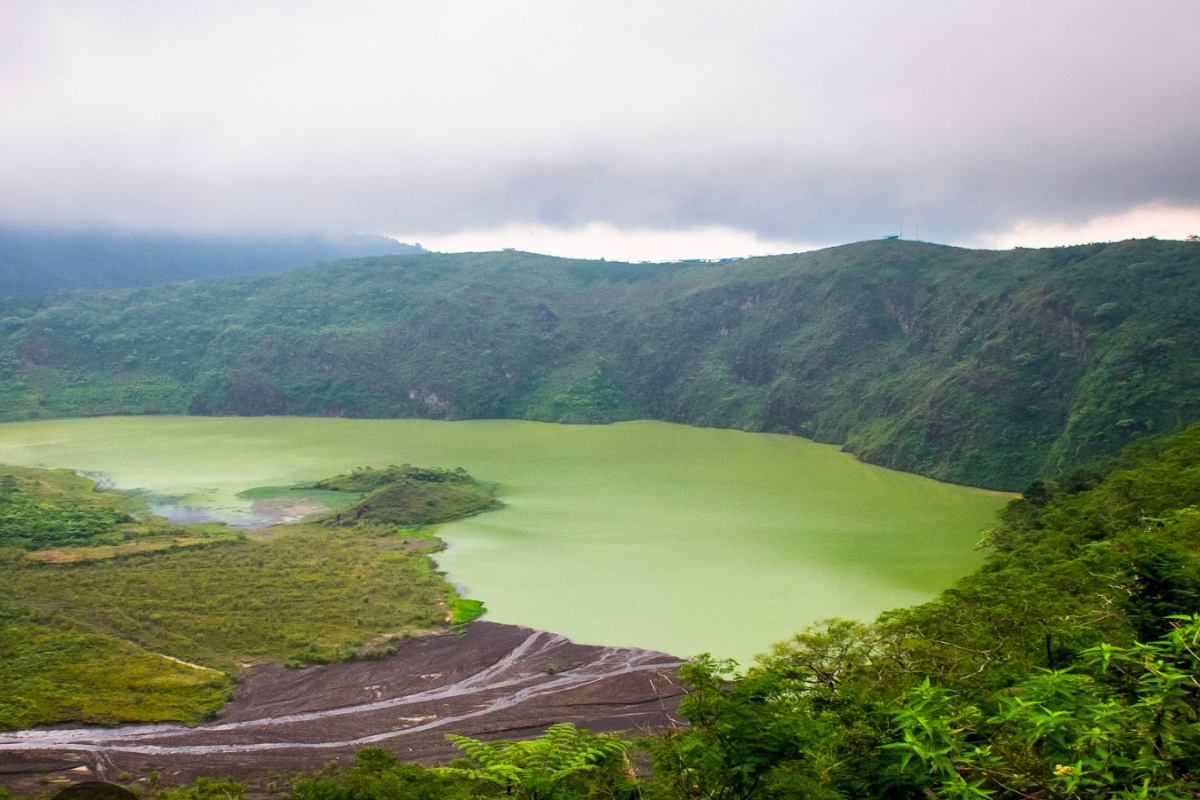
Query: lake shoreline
674 516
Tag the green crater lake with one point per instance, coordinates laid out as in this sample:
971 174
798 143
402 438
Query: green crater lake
662 536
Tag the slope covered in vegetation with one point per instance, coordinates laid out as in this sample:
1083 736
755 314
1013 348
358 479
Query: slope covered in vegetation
982 367
130 618
41 509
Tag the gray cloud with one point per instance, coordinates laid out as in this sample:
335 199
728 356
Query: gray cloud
793 120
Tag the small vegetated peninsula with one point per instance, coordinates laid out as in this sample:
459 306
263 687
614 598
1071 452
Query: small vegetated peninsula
408 496
110 614
980 367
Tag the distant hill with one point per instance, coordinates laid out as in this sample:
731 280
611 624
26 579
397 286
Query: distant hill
34 261
981 367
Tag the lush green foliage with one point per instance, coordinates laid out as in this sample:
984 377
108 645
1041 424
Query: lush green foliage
1103 553
377 775
32 525
980 367
368 479
1124 724
562 762
201 789
50 670
808 722
463 611
408 496
54 668
57 516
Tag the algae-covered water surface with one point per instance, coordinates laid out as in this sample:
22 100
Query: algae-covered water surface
642 533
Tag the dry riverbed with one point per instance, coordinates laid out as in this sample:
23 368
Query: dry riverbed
495 681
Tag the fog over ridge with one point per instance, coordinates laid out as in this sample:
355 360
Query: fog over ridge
795 124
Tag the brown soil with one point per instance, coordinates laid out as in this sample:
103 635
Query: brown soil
495 681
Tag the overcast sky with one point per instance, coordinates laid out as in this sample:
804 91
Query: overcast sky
646 129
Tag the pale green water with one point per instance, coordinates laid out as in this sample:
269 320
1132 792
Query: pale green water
643 533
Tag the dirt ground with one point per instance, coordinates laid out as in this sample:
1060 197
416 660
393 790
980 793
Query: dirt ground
495 681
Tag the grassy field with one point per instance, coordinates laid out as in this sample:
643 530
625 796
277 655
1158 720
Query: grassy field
52 671
308 594
99 637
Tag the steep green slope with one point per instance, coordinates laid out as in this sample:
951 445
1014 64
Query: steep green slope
990 368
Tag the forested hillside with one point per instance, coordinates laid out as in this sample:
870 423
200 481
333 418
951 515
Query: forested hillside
982 367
